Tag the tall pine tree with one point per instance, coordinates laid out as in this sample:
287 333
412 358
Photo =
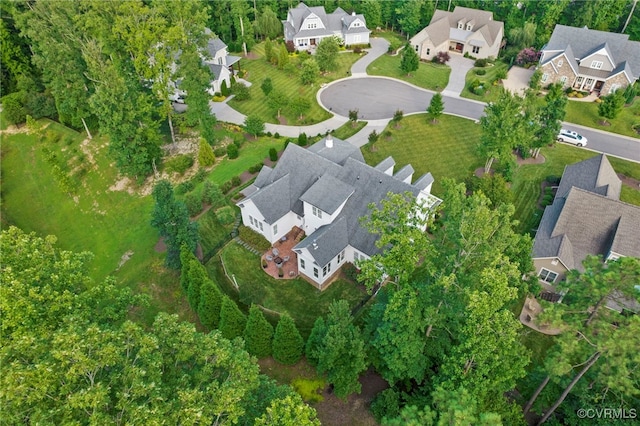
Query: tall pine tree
232 320
287 342
210 305
258 334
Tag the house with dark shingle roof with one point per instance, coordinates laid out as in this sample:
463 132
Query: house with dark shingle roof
463 31
590 60
586 218
325 190
306 26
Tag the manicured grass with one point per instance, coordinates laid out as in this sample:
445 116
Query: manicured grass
296 297
428 76
348 129
629 195
105 222
288 83
491 95
586 114
251 153
446 149
395 40
528 178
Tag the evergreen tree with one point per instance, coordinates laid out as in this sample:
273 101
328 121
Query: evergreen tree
283 57
342 354
287 342
258 333
410 60
266 86
268 50
210 305
232 320
185 261
206 157
436 107
197 277
314 342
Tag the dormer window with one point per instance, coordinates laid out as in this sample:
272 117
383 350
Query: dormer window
596 65
469 27
560 62
460 26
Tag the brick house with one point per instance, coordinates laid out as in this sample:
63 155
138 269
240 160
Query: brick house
590 60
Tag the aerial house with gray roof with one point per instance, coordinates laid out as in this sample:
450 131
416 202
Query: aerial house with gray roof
590 60
325 190
307 26
586 218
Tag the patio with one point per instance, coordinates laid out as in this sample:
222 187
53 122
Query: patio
281 255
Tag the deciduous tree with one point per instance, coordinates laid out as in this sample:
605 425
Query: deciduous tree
327 54
267 24
253 125
309 72
289 411
611 105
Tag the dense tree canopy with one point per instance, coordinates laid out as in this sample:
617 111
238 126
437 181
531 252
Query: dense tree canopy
70 355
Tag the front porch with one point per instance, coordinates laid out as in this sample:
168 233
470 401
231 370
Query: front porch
281 257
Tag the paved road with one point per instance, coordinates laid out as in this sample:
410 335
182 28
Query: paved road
609 143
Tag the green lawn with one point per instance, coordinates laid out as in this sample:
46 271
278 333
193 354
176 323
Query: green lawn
586 114
296 297
289 84
104 222
446 149
348 129
492 92
251 153
428 76
528 178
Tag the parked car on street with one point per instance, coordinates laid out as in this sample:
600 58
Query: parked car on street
572 137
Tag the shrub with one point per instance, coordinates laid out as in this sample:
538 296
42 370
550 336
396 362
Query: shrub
350 271
218 98
547 200
442 57
206 156
302 139
276 135
527 56
235 181
184 187
480 72
286 142
211 194
241 91
256 168
501 74
254 239
224 90
194 203
225 215
13 109
273 154
308 389
226 187
480 63
290 46
200 176
220 151
232 151
179 163
386 404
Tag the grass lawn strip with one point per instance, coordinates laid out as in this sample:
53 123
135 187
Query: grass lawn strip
289 84
348 129
429 76
586 114
491 95
446 149
296 297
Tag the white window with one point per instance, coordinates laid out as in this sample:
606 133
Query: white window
596 64
326 269
545 77
428 51
547 275
563 80
316 211
469 27
302 263
312 26
417 47
460 25
476 49
275 229
579 80
315 272
260 226
340 257
589 83
614 87
356 255
219 61
560 62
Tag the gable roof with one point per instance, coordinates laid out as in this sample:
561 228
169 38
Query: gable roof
444 26
335 22
586 217
584 42
327 177
594 175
